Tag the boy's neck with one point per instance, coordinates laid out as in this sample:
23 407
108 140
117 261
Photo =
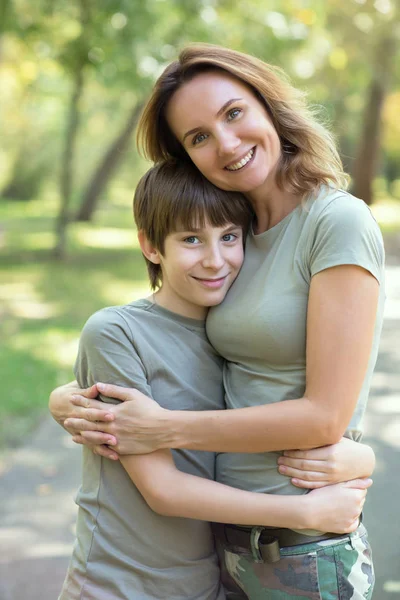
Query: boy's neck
179 306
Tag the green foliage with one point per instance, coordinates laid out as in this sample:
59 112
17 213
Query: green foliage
44 304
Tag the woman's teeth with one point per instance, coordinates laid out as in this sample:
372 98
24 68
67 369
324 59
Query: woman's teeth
241 163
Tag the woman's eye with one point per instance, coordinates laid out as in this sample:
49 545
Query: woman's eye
233 113
191 239
200 137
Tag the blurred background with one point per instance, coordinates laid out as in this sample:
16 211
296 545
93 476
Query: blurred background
73 77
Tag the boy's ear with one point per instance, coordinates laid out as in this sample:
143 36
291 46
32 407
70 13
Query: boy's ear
151 253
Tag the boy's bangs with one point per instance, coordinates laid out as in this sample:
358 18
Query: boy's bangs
206 204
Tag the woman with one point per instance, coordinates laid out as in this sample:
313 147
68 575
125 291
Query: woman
299 328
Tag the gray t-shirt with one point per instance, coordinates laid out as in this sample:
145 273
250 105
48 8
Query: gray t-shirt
260 328
124 550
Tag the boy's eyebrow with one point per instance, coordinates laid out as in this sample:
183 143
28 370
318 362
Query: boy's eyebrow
219 113
197 229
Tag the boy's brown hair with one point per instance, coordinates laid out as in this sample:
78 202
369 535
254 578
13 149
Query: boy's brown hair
172 197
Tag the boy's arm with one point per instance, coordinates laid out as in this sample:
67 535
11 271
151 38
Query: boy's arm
170 492
329 464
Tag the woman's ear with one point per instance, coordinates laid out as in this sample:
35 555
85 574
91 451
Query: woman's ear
151 253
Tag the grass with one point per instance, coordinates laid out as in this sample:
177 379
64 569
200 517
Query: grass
44 303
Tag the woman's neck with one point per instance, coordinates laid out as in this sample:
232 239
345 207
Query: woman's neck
271 206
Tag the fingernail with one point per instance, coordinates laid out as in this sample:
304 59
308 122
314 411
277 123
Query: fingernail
67 422
111 443
100 387
282 469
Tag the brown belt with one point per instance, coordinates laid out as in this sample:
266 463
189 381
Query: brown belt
264 542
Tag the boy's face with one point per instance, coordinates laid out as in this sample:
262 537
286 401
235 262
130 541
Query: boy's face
198 268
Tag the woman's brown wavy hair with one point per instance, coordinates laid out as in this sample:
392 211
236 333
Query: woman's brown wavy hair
309 156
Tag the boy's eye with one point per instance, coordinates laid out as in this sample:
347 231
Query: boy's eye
192 239
200 137
229 237
233 113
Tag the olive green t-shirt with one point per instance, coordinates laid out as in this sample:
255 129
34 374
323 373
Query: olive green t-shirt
260 328
124 550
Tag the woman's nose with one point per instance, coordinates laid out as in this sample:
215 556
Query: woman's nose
228 142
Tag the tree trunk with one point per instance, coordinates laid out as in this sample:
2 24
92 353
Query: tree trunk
107 166
367 155
66 178
67 165
364 167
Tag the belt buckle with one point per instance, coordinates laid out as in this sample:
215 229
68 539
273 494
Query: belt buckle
269 551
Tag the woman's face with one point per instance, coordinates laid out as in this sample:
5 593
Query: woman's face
226 131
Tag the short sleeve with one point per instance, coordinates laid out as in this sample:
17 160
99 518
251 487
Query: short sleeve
346 233
107 353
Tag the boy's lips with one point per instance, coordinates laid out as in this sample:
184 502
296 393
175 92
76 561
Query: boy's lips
212 282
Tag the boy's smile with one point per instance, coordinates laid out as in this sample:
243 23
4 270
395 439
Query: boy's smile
198 268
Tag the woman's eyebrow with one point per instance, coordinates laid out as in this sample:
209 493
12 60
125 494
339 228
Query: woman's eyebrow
225 106
219 113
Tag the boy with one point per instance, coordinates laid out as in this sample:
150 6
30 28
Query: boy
132 542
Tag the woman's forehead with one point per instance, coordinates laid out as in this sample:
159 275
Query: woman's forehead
202 98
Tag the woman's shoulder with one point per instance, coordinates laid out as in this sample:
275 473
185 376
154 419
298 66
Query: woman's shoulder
331 205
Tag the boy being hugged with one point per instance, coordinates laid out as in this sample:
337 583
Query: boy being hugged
142 529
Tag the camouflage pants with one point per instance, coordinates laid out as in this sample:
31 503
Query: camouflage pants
336 569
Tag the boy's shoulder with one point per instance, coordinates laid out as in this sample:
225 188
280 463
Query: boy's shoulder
113 318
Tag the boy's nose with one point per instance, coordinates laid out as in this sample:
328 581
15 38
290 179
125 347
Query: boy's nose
213 259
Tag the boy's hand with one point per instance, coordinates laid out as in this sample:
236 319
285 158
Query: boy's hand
318 467
337 508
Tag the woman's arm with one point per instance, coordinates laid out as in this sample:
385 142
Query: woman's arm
342 309
172 493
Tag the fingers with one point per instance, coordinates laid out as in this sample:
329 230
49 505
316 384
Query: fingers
105 452
115 391
84 425
101 450
92 414
304 464
361 484
307 470
353 526
91 392
308 485
97 438
78 400
313 454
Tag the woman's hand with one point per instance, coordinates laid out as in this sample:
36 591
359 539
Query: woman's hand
134 427
61 400
69 401
337 508
316 468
